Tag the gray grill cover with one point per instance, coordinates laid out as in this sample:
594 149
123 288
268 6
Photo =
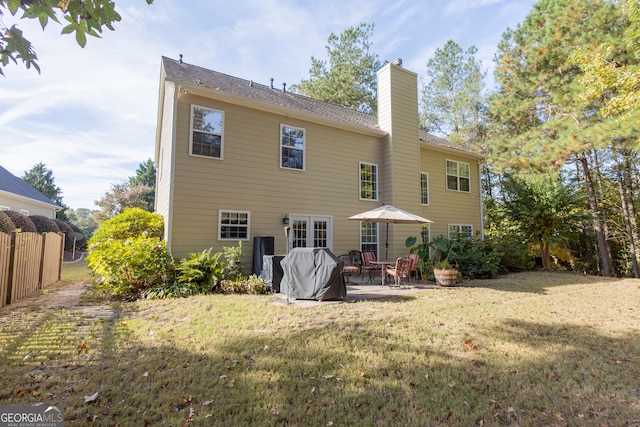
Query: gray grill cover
312 273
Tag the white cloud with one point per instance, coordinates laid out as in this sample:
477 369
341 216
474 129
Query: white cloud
90 116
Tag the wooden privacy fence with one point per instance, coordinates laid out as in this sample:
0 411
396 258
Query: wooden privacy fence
28 262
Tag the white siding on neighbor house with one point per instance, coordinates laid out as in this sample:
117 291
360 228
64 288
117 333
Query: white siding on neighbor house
19 203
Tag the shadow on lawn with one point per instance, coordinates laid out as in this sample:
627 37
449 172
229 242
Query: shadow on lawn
345 373
537 282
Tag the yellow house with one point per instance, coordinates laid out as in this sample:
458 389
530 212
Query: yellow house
236 159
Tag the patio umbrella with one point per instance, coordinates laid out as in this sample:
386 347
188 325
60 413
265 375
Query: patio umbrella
390 215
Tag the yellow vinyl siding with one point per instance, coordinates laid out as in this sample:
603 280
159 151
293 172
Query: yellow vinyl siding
446 206
250 179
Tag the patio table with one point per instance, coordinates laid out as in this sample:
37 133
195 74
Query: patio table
383 269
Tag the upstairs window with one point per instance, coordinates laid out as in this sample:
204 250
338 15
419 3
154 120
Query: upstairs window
368 181
458 176
291 147
424 188
206 132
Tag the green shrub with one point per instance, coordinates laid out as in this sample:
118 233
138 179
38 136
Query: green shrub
172 290
6 225
477 259
132 222
44 224
233 257
251 285
202 270
514 254
21 222
129 267
66 229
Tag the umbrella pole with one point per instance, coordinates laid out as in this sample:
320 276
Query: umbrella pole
386 253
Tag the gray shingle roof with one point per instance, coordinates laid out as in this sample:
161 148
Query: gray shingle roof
187 73
12 184
193 74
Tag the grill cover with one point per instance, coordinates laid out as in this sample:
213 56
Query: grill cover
312 273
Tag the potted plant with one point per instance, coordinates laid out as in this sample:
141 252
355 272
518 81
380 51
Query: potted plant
436 253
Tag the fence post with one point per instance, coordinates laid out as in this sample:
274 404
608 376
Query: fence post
42 252
12 260
62 235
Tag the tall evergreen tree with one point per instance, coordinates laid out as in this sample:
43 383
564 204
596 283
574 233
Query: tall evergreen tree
543 121
349 78
146 179
452 98
42 180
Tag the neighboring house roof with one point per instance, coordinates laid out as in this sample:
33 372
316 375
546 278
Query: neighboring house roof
14 185
182 72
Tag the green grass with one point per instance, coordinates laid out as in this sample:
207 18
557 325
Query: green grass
73 272
527 349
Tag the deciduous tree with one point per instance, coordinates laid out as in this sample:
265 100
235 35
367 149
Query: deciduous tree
82 18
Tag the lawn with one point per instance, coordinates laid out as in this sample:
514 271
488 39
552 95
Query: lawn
528 349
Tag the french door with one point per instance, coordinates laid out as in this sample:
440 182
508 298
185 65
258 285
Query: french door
310 231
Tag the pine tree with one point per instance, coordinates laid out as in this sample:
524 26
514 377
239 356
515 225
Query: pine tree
349 79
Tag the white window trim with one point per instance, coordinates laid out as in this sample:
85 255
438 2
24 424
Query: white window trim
446 174
428 192
191 133
304 148
459 226
360 181
377 227
5 208
233 239
24 212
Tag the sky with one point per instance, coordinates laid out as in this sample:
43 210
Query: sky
90 115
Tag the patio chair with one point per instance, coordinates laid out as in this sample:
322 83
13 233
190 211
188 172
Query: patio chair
401 272
372 269
415 258
356 258
349 268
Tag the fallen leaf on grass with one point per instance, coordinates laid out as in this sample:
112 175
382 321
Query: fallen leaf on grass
92 398
82 347
21 393
328 376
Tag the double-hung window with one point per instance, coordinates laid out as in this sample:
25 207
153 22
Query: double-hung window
368 181
291 147
460 231
233 225
458 176
369 237
424 188
206 132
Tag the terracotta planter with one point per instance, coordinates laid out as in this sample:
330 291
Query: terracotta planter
446 277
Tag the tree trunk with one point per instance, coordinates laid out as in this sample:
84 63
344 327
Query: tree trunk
603 246
625 187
